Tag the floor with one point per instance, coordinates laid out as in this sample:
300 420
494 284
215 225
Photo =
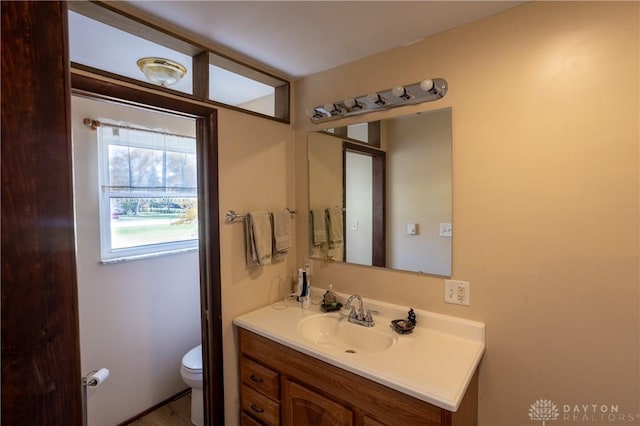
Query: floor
175 413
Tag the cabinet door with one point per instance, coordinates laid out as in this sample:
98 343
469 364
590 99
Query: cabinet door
303 407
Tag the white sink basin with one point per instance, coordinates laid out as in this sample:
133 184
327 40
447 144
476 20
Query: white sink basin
334 330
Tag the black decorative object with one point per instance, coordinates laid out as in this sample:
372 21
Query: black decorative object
331 308
412 316
402 326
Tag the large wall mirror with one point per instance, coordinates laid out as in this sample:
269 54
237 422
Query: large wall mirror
380 193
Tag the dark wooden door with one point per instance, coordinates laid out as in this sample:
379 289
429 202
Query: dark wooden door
40 347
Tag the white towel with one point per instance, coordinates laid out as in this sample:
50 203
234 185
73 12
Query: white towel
260 234
281 232
318 227
335 226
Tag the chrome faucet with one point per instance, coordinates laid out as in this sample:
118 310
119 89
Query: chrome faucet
360 317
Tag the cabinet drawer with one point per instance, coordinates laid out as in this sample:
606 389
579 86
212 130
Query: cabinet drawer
260 378
368 421
259 406
247 420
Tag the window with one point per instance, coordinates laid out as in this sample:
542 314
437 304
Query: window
234 89
148 191
108 42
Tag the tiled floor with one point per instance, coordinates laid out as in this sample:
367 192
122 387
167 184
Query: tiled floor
175 413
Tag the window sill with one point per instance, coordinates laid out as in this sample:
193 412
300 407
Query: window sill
146 256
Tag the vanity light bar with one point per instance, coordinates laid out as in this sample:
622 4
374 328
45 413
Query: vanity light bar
423 91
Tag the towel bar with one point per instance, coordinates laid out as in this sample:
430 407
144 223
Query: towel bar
231 215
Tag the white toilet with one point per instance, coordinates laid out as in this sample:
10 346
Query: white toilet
191 372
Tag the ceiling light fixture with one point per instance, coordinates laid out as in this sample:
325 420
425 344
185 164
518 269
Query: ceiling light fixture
164 72
423 91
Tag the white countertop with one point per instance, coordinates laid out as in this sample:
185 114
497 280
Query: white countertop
435 363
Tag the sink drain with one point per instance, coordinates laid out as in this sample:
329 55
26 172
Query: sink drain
350 351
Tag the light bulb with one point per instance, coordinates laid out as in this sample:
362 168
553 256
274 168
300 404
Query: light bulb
314 113
399 91
353 103
330 108
376 99
426 85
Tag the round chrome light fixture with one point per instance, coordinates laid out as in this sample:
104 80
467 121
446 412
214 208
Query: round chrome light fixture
164 72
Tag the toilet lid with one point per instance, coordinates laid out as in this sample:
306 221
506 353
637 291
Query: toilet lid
193 359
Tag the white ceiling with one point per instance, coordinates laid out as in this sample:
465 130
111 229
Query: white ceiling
298 38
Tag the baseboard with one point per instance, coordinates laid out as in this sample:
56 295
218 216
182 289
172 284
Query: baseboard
155 407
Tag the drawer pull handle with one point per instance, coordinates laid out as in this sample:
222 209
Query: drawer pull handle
257 409
256 379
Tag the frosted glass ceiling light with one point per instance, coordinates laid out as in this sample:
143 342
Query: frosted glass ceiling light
164 72
427 90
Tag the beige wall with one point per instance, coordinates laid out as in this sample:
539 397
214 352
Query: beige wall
256 173
545 192
264 105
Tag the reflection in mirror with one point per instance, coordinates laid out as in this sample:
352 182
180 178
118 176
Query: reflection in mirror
394 194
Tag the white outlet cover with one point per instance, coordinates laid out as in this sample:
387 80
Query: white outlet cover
457 292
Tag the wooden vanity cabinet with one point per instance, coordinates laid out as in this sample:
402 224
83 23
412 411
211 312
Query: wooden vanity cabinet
308 392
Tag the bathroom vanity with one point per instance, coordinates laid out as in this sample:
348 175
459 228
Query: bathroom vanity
304 367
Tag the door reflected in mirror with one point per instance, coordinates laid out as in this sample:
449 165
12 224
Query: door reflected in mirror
392 186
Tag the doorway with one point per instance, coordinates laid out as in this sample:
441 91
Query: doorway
135 203
206 260
364 192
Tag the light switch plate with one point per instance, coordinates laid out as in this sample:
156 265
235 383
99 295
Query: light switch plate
446 230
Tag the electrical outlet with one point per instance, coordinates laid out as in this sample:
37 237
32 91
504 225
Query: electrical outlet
457 292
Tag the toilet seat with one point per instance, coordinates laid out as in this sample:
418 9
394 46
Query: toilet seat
192 360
